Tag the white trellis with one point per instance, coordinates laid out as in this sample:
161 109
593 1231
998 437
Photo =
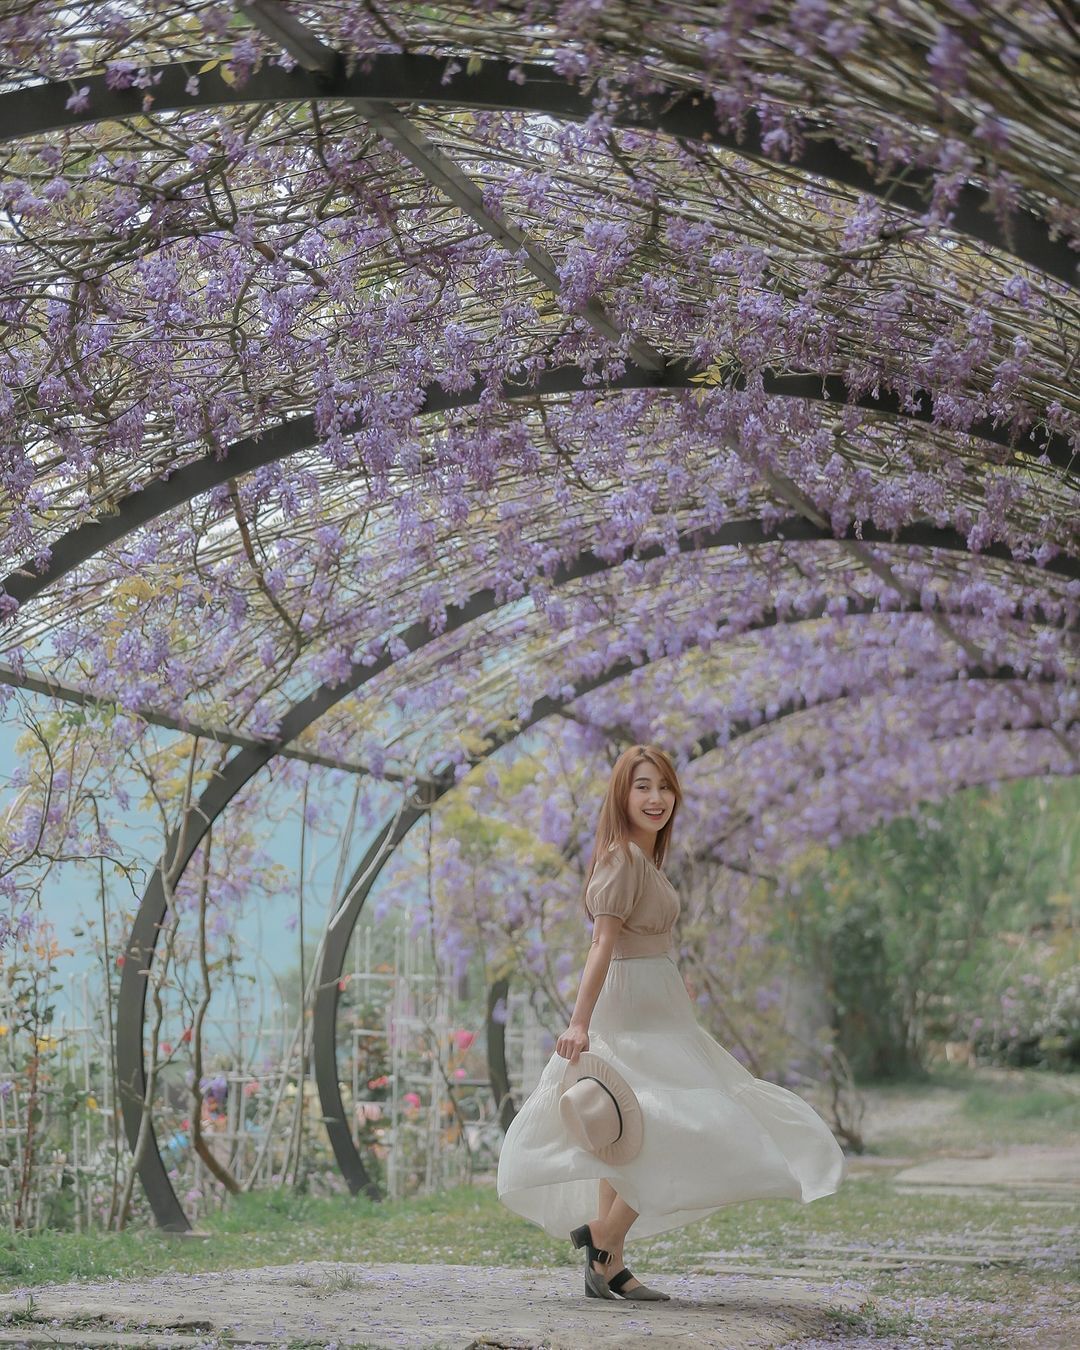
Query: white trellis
527 1037
418 1017
415 1010
75 1051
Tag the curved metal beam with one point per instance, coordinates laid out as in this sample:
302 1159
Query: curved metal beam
495 1042
390 80
819 774
499 990
160 496
324 1031
856 606
239 770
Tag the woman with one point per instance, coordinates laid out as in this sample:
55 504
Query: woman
637 1096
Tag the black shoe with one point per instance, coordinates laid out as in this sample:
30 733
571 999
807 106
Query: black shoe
642 1294
595 1284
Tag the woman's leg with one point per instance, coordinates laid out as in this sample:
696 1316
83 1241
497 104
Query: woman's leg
609 1234
607 1197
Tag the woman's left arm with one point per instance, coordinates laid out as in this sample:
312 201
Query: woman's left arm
575 1039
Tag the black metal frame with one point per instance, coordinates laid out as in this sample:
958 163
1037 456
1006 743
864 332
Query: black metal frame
160 496
375 859
180 848
495 1047
376 90
391 80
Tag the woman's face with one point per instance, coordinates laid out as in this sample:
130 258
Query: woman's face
652 799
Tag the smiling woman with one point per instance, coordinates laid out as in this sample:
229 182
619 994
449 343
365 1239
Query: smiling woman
638 1097
383 386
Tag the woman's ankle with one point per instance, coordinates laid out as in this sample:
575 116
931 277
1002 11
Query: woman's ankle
605 1239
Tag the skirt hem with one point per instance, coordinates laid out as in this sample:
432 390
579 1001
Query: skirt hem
650 1223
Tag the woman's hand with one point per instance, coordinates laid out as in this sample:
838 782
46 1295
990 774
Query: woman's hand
572 1042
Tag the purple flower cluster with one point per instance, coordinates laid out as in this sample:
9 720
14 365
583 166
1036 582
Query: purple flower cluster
439 537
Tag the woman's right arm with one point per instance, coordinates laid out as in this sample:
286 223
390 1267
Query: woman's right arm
575 1038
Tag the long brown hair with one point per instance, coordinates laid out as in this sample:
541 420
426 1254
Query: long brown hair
614 824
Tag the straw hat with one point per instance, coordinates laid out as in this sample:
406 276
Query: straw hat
598 1107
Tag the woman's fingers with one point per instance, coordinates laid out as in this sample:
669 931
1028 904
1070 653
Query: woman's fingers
570 1047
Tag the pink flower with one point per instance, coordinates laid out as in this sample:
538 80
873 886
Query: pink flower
411 1099
459 1073
463 1039
165 1048
379 1082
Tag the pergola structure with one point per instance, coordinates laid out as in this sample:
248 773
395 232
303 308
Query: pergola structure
379 381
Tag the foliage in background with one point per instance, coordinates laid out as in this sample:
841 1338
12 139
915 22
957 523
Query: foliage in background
957 925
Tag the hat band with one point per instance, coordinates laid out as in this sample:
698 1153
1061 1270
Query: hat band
614 1101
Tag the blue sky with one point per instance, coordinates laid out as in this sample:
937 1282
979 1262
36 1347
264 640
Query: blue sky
71 897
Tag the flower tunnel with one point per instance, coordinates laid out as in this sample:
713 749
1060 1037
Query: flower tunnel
379 387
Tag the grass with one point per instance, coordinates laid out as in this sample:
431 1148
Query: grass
1049 1106
937 1304
979 1108
471 1227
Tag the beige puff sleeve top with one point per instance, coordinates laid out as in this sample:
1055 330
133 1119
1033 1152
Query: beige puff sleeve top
637 891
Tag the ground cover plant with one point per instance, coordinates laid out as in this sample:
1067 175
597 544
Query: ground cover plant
1014 1272
404 407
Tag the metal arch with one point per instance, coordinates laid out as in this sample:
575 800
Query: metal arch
255 452
245 764
974 731
855 606
321 63
290 438
64 693
495 1043
324 1031
390 79
499 989
131 1069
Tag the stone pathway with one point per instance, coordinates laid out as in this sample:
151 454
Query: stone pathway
735 1300
458 1307
1023 1167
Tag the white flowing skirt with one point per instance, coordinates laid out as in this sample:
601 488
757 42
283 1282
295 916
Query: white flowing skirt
713 1133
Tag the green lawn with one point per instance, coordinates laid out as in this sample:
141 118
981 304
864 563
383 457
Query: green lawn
965 1108
1032 1238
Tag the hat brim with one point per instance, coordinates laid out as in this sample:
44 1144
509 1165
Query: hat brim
628 1144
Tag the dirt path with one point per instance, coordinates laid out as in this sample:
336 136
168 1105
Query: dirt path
324 1304
739 1301
1038 1168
